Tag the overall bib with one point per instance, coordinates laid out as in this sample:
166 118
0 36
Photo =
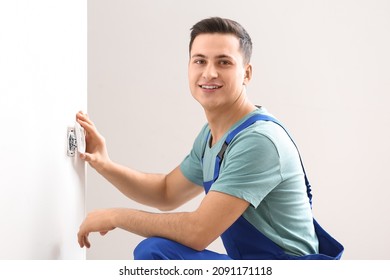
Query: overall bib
241 240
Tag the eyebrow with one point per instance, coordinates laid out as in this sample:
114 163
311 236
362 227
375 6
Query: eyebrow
218 56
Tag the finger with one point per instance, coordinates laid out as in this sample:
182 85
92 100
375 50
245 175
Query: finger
84 117
89 128
81 112
86 242
80 239
80 115
83 240
87 157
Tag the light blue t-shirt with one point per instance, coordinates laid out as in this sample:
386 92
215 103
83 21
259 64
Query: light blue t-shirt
261 165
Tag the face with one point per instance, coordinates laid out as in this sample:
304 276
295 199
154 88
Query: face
216 71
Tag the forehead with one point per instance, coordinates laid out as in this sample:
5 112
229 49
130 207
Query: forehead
215 44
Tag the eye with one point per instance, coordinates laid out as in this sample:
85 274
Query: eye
225 62
200 61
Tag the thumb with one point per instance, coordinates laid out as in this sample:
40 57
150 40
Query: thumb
86 156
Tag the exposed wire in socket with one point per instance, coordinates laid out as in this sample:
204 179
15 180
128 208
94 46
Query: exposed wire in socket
75 140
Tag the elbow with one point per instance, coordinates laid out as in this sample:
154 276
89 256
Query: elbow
166 208
165 201
198 245
199 237
168 204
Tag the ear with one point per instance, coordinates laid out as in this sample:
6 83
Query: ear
248 74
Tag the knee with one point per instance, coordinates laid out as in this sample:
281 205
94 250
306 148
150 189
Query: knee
152 248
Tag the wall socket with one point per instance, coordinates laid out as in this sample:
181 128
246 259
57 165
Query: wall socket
75 140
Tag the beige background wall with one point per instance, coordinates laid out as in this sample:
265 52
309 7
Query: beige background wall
322 67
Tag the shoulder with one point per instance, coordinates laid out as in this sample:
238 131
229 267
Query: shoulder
265 139
201 138
254 144
265 133
262 134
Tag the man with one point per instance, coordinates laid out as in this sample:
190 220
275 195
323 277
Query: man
256 194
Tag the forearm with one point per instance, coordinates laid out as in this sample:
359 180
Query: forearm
195 229
147 189
183 227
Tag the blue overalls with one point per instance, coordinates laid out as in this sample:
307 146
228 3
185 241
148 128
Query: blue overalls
242 240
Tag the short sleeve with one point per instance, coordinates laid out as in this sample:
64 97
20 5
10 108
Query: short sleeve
251 168
191 165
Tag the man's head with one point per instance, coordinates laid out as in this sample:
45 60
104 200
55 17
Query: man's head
217 25
219 67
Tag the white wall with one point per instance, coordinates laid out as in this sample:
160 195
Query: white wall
43 83
322 67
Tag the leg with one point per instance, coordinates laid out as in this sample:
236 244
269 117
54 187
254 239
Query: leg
157 248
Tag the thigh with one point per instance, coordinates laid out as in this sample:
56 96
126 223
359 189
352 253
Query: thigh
157 248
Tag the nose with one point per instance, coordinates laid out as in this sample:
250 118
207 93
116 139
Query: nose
210 72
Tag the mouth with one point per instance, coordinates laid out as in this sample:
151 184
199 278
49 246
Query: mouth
210 87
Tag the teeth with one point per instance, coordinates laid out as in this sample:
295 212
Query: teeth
209 87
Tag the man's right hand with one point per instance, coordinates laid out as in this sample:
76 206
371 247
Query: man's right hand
96 152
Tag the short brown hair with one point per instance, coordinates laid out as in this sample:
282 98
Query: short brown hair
224 26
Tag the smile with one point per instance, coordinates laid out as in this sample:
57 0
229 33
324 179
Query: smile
210 86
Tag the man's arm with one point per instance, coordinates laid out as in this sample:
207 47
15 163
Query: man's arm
194 229
163 191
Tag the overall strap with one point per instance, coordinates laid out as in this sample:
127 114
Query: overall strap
245 124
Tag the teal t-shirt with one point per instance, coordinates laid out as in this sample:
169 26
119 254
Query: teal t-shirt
262 166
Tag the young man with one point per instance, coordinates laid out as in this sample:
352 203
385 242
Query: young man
256 195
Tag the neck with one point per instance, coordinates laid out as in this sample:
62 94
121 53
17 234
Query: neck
222 119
